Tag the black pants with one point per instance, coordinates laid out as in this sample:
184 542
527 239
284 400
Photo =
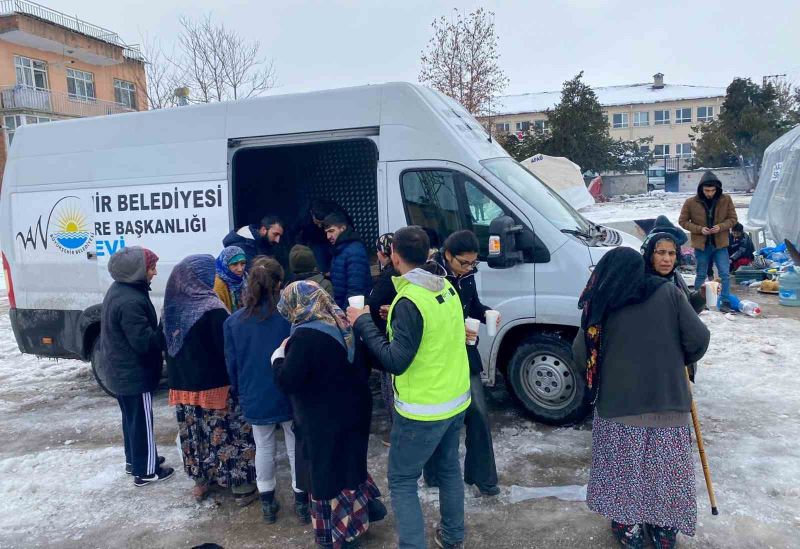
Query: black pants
479 465
137 431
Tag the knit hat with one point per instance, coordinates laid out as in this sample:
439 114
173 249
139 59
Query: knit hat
150 259
664 225
301 259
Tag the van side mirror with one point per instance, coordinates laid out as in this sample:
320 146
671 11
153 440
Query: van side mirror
503 250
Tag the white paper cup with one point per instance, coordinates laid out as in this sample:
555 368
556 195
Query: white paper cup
712 294
357 301
473 325
491 322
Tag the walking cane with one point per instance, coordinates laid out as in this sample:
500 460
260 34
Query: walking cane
702 449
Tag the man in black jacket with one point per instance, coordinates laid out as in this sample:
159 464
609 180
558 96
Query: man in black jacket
457 261
131 346
260 239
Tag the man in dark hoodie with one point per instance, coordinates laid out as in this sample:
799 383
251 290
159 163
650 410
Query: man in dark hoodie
350 264
709 216
131 345
260 239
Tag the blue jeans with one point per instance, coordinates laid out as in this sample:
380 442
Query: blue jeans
720 258
413 443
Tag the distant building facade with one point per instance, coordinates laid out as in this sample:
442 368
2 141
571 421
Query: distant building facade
664 111
54 66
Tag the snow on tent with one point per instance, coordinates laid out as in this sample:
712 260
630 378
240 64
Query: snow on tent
776 202
563 176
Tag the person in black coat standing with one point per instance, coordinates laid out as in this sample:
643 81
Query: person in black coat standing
131 346
458 261
332 407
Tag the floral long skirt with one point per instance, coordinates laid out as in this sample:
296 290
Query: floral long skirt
344 517
643 475
217 445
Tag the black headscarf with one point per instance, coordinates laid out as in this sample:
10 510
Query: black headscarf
618 280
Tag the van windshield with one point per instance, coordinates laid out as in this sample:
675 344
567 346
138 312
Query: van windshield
541 197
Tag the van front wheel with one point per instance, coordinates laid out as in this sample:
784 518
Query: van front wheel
545 380
97 368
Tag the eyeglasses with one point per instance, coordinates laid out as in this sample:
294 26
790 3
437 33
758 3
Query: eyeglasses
466 263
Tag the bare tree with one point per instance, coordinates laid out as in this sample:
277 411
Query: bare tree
162 74
220 64
461 60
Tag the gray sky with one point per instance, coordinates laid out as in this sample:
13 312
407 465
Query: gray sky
318 45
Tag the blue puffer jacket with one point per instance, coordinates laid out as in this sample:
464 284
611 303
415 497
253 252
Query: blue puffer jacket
249 344
349 268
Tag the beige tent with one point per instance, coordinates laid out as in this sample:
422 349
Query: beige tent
563 176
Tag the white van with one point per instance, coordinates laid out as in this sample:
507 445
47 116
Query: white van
177 180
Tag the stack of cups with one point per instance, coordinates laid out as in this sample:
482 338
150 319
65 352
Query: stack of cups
491 322
712 294
472 325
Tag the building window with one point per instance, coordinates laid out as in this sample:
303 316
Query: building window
30 119
523 126
125 93
683 150
644 148
641 119
705 114
11 123
31 73
621 120
80 85
540 125
661 118
661 151
683 116
502 127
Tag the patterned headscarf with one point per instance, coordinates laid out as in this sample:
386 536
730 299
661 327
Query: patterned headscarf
306 304
235 283
189 295
384 243
150 259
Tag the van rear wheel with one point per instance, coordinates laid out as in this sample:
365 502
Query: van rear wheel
97 368
545 380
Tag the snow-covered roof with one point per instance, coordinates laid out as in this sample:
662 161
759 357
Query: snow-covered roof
608 96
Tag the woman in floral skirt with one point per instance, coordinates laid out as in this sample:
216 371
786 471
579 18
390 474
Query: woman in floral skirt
217 444
638 332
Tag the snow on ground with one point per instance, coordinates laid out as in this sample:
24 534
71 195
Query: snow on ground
650 206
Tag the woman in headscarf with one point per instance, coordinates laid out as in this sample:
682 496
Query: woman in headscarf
217 443
637 333
230 277
332 408
382 295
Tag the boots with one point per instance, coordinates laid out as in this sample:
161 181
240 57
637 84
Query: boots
269 507
301 508
663 537
628 535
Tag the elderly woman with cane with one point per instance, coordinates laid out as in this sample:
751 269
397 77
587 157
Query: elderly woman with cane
637 333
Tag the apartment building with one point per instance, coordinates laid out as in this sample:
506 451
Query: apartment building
655 109
54 66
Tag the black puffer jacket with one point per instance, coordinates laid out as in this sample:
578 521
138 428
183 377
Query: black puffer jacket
130 340
470 303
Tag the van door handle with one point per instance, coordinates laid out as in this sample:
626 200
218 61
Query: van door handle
91 255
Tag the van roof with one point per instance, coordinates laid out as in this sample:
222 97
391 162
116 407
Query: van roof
415 123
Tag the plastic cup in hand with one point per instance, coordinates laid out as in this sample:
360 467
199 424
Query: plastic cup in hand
356 302
712 294
491 322
472 325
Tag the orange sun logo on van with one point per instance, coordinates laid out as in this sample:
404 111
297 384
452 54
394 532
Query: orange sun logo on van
71 235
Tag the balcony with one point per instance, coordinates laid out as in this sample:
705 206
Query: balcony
30 24
21 98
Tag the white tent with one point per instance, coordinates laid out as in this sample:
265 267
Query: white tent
563 176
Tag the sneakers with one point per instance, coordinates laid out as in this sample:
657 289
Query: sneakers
163 473
662 536
437 537
269 507
301 508
628 535
129 467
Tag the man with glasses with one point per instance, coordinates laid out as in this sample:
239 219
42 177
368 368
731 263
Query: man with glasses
458 261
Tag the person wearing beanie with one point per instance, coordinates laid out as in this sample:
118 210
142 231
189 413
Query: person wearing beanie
708 216
229 280
303 264
131 359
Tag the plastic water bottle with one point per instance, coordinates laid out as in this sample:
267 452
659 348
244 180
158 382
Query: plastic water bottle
750 308
790 287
